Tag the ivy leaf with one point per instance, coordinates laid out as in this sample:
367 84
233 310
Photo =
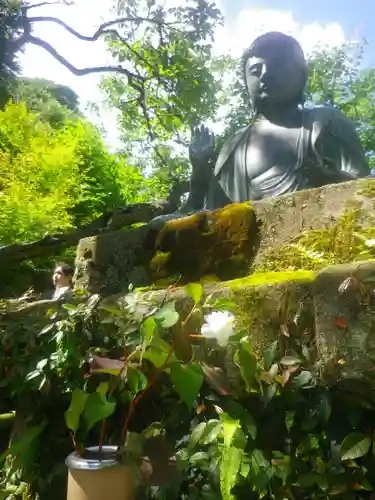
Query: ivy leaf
167 315
354 446
187 380
195 290
136 379
97 408
75 410
157 352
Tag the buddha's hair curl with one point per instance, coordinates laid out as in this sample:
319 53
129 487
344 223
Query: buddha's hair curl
285 45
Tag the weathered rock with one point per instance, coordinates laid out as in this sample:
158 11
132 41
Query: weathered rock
344 307
108 263
304 230
330 312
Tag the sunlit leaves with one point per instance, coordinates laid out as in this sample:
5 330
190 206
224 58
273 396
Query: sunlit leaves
54 179
167 316
354 446
93 408
187 381
195 290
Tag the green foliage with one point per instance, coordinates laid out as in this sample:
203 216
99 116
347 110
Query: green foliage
52 180
172 53
337 78
187 380
283 434
53 103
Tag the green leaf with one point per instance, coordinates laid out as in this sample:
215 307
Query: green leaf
290 361
136 379
187 381
103 388
324 407
97 408
196 435
195 290
167 315
224 304
248 423
303 379
200 456
23 442
289 419
248 365
32 375
270 355
354 446
148 328
211 431
157 352
75 410
231 456
229 468
307 480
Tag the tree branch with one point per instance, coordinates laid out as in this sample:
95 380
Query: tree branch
41 4
83 71
102 27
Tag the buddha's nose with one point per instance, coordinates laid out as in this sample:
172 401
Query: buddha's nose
264 76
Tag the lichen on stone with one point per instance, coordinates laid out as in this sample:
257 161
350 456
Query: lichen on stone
346 241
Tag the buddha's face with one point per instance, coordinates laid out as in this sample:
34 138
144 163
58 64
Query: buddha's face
273 79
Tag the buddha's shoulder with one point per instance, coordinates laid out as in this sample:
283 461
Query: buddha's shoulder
327 117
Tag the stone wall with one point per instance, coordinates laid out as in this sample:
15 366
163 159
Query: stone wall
272 234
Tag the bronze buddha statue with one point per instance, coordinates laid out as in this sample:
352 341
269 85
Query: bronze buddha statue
286 148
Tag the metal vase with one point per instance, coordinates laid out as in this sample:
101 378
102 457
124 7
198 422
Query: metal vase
98 476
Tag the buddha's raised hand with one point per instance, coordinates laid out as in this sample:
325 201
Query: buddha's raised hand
202 146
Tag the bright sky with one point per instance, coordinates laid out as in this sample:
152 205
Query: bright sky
310 22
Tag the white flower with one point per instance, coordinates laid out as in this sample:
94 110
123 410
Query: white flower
219 326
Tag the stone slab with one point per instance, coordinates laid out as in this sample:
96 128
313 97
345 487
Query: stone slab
109 262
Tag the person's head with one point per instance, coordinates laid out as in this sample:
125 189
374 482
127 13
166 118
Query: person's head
62 275
275 71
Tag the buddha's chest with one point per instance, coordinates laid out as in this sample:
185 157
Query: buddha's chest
270 148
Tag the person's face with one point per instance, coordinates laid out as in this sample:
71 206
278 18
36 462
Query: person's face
59 278
272 78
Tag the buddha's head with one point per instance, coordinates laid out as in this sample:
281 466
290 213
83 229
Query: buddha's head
275 71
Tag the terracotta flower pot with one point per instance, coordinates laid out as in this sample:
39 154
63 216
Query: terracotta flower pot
98 476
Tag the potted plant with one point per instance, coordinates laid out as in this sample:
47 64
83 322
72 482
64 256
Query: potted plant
148 346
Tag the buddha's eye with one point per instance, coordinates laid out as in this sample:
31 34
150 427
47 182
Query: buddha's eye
255 71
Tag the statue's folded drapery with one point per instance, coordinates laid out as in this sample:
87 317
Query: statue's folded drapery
329 151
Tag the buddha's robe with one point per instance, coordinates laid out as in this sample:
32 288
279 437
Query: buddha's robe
328 150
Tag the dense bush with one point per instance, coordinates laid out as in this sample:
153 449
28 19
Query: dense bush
281 433
52 180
